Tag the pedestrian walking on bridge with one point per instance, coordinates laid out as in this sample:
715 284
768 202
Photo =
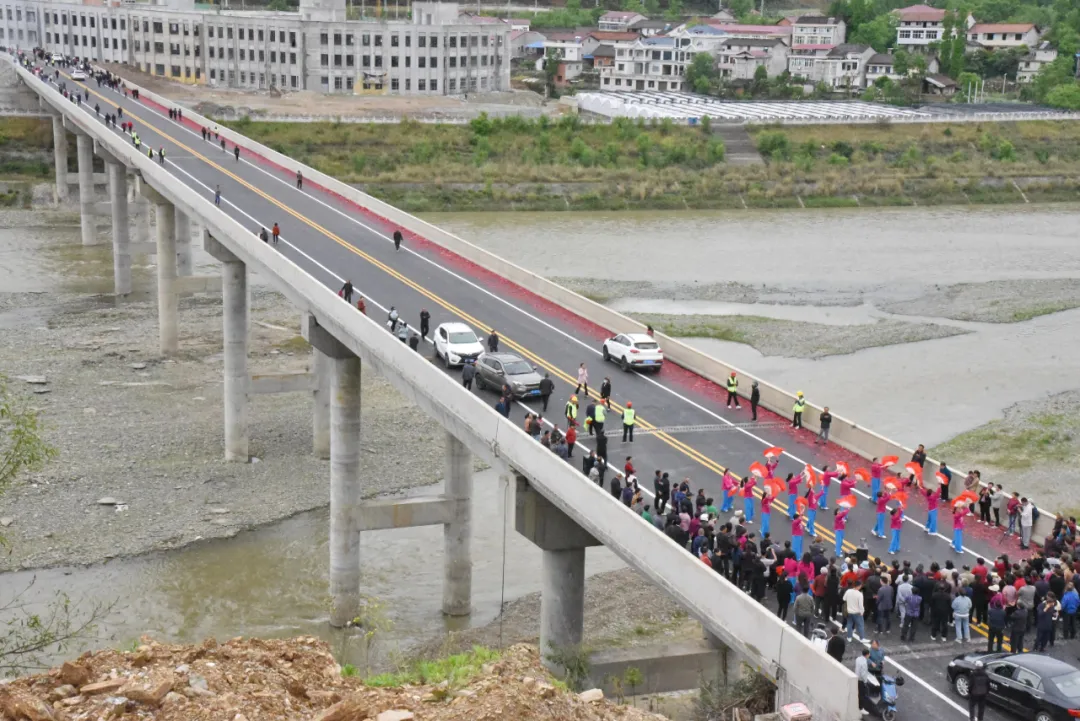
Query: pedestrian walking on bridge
732 391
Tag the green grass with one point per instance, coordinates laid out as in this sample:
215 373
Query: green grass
1052 440
456 670
1036 311
697 326
296 344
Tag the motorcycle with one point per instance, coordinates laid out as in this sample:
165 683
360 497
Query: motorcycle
881 695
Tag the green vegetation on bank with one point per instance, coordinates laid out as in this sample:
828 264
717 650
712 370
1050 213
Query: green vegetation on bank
1041 439
23 142
564 164
456 670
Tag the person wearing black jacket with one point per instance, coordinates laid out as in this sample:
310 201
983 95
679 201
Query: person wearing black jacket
587 464
1018 621
978 690
996 620
547 387
605 392
425 324
662 487
783 598
940 610
755 398
837 645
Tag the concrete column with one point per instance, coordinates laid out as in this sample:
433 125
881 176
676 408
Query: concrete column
142 210
183 244
235 310
60 156
85 145
344 490
562 600
168 303
457 569
321 416
731 661
121 239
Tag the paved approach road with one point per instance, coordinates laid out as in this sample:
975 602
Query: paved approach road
333 239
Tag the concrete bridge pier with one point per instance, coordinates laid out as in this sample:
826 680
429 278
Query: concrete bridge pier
60 157
87 218
121 237
183 244
234 307
345 372
457 568
562 596
168 300
321 415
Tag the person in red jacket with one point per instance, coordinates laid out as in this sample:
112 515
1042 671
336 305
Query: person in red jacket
571 439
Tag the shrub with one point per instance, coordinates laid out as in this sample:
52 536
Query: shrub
838 159
774 145
481 125
1005 152
841 147
717 152
1042 155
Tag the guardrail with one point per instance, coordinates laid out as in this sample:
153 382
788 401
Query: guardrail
778 650
844 432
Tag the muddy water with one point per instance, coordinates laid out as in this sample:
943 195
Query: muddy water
273 581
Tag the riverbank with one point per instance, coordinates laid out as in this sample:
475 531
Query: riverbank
298 680
544 164
140 464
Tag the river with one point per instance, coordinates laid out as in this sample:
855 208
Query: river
834 267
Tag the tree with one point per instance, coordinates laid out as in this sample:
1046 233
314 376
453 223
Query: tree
740 8
879 33
279 5
902 63
700 73
551 69
1066 97
28 634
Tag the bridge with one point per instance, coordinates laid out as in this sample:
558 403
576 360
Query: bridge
331 232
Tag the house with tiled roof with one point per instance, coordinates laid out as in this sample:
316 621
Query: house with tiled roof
619 20
739 58
817 32
996 36
1033 62
919 25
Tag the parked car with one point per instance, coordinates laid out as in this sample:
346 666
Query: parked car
456 344
634 350
78 75
494 370
1031 685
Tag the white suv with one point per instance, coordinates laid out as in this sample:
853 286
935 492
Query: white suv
634 350
455 343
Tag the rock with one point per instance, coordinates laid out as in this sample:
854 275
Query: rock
90 411
326 698
239 717
137 366
62 692
143 657
395 715
528 681
107 501
220 511
592 695
295 688
6 521
182 668
545 690
149 695
113 684
73 701
197 681
74 674
20 705
465 693
173 699
33 380
42 391
116 706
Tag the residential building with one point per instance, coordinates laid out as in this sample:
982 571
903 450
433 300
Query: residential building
753 31
619 20
651 28
568 48
1033 62
646 64
739 58
817 32
725 17
526 44
600 37
881 65
842 68
603 56
996 36
316 49
920 25
939 85
519 23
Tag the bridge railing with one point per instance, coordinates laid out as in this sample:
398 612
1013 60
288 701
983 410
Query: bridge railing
772 646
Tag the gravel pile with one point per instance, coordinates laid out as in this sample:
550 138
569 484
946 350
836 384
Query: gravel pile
140 438
605 289
795 339
997 301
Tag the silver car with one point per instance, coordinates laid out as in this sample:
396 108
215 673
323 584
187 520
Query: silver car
494 370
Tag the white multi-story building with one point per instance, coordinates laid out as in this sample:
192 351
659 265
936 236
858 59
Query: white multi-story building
647 64
919 25
842 68
1033 62
1004 35
314 49
817 32
618 20
739 58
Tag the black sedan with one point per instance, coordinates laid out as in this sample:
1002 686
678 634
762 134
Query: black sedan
1031 685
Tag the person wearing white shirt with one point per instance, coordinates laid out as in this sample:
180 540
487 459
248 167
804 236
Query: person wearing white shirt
862 672
1027 519
903 592
853 607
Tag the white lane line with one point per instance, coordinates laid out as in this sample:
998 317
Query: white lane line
541 321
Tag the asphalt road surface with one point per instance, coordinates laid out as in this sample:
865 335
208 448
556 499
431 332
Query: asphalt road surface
334 239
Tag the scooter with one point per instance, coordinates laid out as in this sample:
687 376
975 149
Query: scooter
882 695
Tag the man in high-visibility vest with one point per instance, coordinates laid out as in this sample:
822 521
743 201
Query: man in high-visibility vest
732 387
800 405
571 411
598 419
628 417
